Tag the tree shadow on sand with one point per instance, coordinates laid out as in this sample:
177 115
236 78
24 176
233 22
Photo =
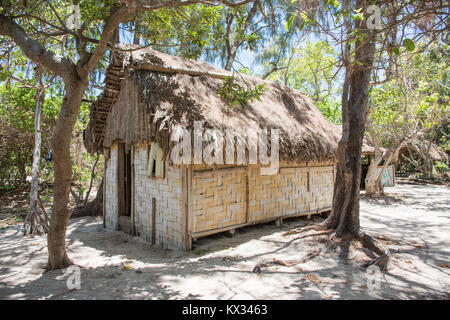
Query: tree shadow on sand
155 273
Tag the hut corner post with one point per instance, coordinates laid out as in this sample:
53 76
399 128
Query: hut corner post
187 206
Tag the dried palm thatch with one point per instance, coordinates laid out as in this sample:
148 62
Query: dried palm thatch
148 93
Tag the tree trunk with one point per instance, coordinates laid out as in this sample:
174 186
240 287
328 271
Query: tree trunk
92 208
63 173
36 223
231 56
136 37
428 160
344 217
372 188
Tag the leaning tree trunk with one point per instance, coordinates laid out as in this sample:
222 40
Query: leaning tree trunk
373 189
35 222
387 161
344 217
57 256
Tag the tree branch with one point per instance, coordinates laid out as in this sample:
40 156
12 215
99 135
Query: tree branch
34 50
116 17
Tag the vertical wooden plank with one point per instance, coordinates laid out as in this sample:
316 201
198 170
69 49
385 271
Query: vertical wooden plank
159 170
153 220
187 206
308 182
247 192
190 204
393 174
133 225
105 181
120 181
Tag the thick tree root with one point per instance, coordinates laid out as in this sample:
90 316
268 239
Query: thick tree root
316 227
383 260
287 263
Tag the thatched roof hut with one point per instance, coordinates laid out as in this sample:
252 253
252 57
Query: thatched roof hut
147 96
179 91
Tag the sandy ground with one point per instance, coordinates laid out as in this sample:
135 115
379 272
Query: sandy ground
413 220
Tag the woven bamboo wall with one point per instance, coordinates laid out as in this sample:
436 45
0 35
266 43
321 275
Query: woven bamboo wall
278 195
218 199
321 188
168 228
220 196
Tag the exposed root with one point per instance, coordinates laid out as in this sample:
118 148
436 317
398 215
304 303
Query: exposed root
379 248
316 227
286 263
37 221
382 261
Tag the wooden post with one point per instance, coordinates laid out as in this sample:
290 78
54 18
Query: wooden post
105 181
187 206
153 220
247 192
279 222
133 225
121 190
190 212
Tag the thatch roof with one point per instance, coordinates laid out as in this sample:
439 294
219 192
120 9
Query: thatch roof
435 152
366 149
171 90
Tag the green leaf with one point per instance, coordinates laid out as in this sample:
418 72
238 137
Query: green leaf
396 51
358 16
409 45
289 23
334 3
303 25
304 16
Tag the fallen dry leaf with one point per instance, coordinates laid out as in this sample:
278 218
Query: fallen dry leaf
127 267
417 245
445 266
328 296
313 278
